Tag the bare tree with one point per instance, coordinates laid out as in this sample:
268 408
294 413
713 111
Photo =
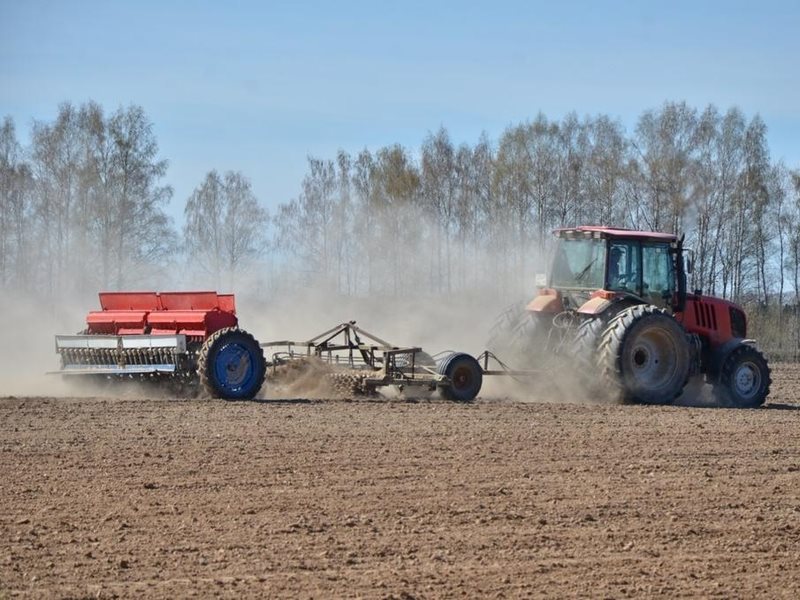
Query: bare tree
756 198
225 227
793 234
97 198
55 166
397 182
727 240
142 231
344 227
439 189
708 175
488 239
467 206
16 183
605 173
365 212
571 150
664 142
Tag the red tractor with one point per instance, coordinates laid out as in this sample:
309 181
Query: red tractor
616 301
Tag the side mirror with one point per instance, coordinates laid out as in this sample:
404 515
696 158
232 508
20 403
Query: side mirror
688 260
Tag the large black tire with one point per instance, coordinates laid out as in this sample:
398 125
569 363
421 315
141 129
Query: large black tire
643 356
520 338
465 377
231 365
587 339
744 379
584 354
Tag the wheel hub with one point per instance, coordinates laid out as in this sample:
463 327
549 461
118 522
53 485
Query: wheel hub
462 378
236 370
640 357
649 358
236 366
747 379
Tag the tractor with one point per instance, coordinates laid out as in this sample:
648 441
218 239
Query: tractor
615 302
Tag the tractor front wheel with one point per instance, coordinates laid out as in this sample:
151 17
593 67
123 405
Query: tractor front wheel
231 365
744 379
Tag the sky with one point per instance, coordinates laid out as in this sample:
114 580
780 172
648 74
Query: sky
260 86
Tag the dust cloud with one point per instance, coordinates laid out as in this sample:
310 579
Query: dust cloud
458 321
27 353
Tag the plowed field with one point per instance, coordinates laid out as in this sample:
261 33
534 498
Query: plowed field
152 497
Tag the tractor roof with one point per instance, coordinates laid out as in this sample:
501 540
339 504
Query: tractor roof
597 231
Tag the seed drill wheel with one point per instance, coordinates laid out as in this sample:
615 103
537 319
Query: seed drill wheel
643 356
465 375
744 379
231 365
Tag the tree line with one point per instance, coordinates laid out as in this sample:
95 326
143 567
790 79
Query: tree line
84 208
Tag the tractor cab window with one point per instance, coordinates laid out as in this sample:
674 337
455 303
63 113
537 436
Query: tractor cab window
578 264
623 267
658 280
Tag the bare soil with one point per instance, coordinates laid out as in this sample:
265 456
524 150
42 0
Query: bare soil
132 497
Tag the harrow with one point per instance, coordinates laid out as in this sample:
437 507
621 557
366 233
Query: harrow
358 362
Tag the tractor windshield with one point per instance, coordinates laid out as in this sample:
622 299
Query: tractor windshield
579 264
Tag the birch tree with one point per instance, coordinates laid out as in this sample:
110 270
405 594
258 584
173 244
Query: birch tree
226 227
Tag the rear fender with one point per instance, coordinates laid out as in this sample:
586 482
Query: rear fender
548 301
602 300
595 306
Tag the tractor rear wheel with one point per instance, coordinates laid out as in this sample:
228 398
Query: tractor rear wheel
587 338
231 365
520 338
744 379
643 356
465 375
584 354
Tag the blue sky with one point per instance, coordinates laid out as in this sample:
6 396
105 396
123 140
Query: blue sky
259 86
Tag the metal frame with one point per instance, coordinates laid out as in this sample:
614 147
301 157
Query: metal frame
121 354
343 347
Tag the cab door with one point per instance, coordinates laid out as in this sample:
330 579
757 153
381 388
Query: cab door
658 277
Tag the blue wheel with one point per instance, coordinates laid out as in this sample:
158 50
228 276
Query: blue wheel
232 365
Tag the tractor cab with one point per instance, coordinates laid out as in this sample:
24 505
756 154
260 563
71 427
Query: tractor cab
616 263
